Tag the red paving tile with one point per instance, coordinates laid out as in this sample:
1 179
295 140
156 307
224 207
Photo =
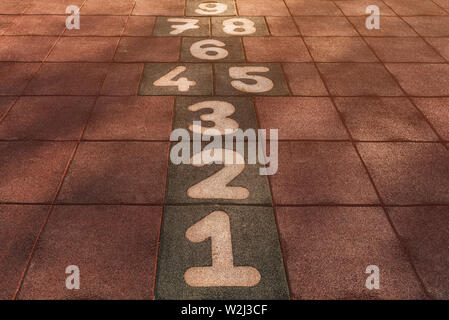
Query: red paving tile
422 79
262 8
312 8
139 49
5 22
31 171
304 79
281 49
403 50
34 25
115 7
46 118
415 7
425 234
140 26
14 6
5 103
356 79
19 227
320 173
325 26
358 8
117 173
99 26
282 26
339 49
27 49
377 119
442 3
114 247
68 79
408 173
118 118
441 45
300 118
15 76
389 27
87 49
122 79
327 249
430 26
437 112
159 8
51 6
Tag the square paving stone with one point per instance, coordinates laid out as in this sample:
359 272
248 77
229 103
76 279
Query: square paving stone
320 173
379 119
300 118
430 26
140 26
276 49
262 7
121 118
123 79
304 80
390 27
84 49
19 227
47 118
15 76
173 27
425 234
199 77
32 25
5 104
437 112
253 188
282 26
272 82
239 26
98 26
327 250
313 8
159 8
243 112
210 8
148 49
222 49
116 173
415 7
408 173
107 7
422 79
31 171
358 8
325 26
441 45
25 48
51 6
114 248
255 244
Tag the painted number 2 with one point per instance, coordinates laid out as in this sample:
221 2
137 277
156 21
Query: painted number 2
222 273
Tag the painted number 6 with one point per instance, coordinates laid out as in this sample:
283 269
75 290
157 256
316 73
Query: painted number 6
208 53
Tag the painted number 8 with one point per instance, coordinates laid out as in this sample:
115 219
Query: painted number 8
238 26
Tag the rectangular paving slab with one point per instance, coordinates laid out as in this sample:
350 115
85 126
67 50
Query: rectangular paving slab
250 79
182 27
239 237
210 50
176 79
210 8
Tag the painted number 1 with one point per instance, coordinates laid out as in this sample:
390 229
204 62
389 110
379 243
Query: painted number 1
222 273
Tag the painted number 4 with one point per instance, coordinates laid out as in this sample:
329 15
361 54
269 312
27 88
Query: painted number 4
182 83
222 273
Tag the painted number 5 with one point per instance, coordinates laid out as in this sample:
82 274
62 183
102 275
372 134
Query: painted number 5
222 273
262 84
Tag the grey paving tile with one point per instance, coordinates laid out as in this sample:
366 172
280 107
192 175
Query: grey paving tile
254 244
239 26
210 8
182 27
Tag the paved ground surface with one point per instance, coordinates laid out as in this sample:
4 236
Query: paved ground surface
363 179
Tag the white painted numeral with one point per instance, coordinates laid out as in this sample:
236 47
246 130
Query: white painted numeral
222 273
222 124
180 28
183 83
262 84
210 8
238 26
209 53
215 186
